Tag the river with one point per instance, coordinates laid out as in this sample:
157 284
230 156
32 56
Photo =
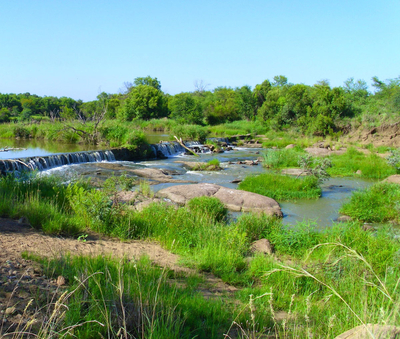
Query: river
321 212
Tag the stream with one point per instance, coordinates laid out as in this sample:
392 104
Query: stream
322 212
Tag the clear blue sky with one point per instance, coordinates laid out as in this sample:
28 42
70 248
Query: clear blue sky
81 48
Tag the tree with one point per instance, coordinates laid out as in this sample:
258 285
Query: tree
144 102
245 102
260 93
222 106
148 81
280 81
186 108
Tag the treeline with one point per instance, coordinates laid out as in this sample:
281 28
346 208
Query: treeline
317 109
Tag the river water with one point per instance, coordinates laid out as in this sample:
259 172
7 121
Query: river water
322 212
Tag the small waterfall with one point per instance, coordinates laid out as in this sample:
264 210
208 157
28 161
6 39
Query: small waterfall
56 160
168 149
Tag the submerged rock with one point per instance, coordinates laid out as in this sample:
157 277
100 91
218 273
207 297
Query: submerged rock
234 200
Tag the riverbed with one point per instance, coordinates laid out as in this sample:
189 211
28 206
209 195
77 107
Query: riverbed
322 212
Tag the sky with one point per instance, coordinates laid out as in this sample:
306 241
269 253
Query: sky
80 48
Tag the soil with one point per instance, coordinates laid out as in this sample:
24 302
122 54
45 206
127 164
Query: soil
23 280
384 135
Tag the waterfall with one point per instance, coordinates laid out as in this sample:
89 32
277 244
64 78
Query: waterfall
168 149
50 161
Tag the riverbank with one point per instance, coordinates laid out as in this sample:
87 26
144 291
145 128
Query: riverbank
280 282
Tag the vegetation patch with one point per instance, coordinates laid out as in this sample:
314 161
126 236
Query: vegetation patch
282 158
369 166
282 187
378 203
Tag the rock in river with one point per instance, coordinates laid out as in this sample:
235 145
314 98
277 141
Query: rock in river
235 200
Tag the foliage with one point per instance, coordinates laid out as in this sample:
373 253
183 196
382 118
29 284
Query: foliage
143 102
282 187
315 167
378 203
394 159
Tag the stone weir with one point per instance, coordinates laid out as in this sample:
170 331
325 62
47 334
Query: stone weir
144 152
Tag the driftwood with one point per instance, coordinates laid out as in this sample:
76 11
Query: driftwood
183 145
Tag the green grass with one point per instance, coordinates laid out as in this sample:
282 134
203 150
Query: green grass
112 297
329 280
378 203
282 187
371 165
237 128
282 158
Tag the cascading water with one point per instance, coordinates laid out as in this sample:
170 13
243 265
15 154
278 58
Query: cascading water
56 160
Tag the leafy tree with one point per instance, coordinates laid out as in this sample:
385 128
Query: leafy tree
260 93
144 102
148 81
4 115
245 102
222 106
186 108
280 81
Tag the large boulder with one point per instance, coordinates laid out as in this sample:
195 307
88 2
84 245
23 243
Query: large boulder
371 331
235 200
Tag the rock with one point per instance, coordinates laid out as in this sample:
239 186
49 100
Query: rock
143 204
395 179
378 332
127 196
157 175
199 166
10 310
234 200
61 280
368 228
236 181
291 146
294 171
262 246
344 218
23 221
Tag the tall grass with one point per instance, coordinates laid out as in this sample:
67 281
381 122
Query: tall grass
282 158
322 281
110 298
378 203
238 127
371 165
282 187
